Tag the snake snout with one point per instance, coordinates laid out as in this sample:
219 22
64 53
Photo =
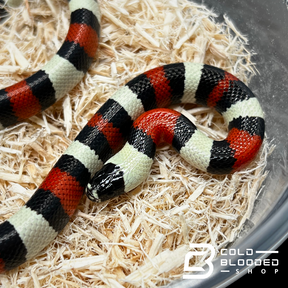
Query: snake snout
107 183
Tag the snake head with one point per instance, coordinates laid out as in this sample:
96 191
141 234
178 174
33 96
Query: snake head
107 183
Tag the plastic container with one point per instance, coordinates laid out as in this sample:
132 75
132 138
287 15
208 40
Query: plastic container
265 23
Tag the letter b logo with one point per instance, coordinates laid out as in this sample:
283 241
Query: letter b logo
208 261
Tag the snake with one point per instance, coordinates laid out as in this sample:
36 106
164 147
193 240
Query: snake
61 73
114 151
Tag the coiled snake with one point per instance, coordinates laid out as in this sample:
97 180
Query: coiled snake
39 221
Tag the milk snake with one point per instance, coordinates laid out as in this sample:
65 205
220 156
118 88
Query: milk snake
47 212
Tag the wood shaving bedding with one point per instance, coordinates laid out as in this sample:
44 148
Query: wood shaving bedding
128 241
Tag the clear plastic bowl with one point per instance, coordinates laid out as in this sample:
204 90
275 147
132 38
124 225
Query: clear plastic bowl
265 23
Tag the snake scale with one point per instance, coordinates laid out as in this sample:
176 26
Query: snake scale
90 155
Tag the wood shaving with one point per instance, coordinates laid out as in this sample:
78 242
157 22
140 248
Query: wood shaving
128 241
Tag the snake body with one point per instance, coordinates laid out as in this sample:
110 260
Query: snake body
47 212
65 69
178 83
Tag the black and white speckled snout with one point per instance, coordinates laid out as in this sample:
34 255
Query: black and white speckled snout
107 183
